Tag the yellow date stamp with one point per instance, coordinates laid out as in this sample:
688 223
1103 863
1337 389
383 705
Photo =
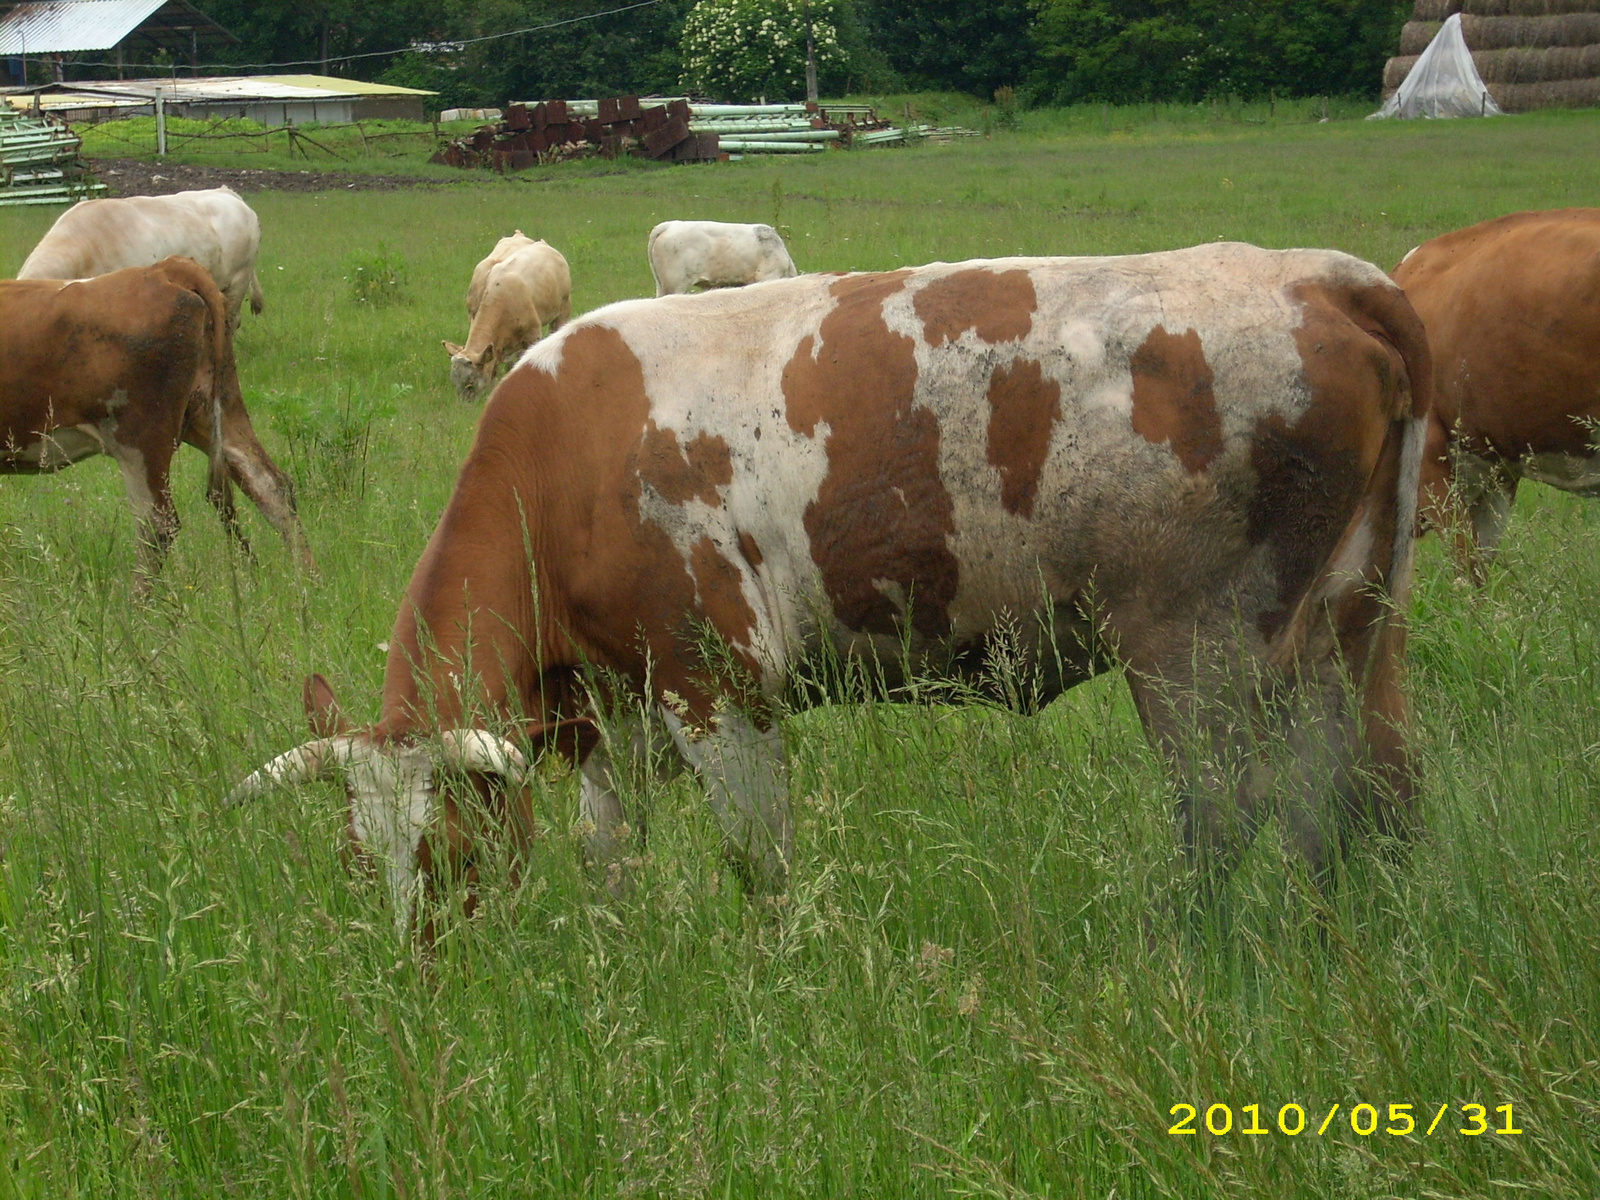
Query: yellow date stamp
1364 1120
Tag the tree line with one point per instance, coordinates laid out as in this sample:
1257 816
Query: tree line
1050 51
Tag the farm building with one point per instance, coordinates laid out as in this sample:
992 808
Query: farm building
1528 53
51 29
270 99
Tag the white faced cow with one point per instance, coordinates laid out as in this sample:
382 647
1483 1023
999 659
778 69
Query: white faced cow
214 227
685 255
1202 464
522 286
132 364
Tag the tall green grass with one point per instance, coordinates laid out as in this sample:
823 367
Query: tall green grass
971 987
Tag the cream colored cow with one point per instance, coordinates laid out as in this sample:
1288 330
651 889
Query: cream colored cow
522 286
685 255
214 227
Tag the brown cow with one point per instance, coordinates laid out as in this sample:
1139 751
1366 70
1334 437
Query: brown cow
1512 309
1203 461
130 364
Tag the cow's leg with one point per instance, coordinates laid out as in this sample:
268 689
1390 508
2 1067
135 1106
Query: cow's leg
747 782
1222 787
633 752
147 480
1485 491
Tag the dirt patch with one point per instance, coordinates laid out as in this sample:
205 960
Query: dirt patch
133 177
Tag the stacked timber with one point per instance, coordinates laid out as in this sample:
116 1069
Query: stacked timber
39 161
552 130
1529 53
669 130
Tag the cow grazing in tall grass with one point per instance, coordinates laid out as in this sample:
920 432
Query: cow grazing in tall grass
1512 309
522 286
1201 465
685 255
131 365
214 227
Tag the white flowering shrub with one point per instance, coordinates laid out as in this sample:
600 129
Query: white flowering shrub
741 50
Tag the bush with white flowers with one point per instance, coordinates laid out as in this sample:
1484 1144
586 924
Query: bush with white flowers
742 50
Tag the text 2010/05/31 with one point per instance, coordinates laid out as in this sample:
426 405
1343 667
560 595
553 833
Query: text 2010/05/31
1364 1120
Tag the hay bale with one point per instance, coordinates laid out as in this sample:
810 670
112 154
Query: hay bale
1396 70
1525 8
1416 35
1435 10
1502 33
1529 53
1560 93
1535 65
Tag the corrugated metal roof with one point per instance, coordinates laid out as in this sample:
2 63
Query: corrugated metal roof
62 26
240 87
345 87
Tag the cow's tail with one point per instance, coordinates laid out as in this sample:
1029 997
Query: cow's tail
1384 709
650 253
1412 406
257 301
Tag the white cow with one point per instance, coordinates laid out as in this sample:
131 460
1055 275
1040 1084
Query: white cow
685 255
214 227
522 286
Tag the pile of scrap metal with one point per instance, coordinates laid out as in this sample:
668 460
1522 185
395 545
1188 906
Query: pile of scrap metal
39 161
670 130
552 130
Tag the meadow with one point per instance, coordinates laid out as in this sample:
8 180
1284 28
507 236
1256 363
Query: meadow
971 988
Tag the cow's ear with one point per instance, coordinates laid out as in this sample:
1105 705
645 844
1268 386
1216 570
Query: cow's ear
454 349
322 710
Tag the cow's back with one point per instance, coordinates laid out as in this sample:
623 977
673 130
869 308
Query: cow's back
901 459
1512 308
123 346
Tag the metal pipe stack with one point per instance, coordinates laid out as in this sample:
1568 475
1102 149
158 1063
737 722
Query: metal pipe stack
39 161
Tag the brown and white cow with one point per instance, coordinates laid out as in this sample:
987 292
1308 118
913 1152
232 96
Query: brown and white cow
1512 309
213 226
132 364
1204 462
522 286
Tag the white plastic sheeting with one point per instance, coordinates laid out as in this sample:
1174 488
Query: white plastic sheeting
1443 82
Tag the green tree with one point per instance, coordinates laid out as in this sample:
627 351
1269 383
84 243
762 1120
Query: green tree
748 49
1129 50
954 45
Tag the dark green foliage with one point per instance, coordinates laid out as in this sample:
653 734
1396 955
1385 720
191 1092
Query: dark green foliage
1053 51
1132 50
953 45
632 52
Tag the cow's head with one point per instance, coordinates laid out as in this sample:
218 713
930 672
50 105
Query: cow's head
401 791
471 374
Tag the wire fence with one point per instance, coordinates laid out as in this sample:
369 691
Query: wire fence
343 140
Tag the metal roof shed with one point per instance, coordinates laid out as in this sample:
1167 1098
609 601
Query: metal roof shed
56 27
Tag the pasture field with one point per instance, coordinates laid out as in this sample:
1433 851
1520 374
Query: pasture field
973 987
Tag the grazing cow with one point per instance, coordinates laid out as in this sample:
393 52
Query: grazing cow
521 287
214 227
1512 309
130 364
1201 463
685 255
